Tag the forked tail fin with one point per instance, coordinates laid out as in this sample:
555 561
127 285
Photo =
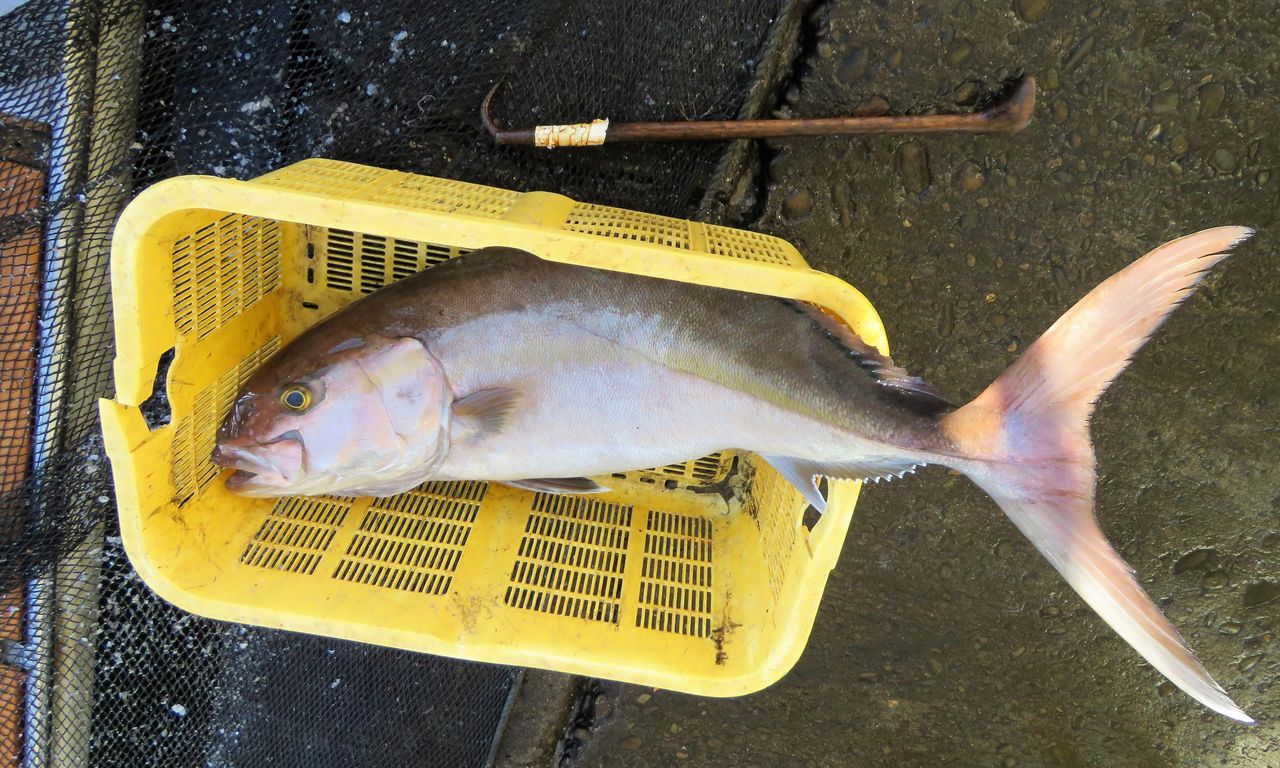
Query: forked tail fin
1028 434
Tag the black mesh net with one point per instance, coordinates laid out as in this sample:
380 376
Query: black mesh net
100 98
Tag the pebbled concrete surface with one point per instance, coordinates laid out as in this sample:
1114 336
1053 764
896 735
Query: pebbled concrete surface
943 638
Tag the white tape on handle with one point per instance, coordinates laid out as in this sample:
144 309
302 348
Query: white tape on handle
576 135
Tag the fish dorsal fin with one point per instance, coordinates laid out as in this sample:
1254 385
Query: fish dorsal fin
487 410
801 472
558 485
921 394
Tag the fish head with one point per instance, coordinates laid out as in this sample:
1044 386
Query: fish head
337 418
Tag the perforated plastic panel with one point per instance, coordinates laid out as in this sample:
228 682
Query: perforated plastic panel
296 534
572 558
705 471
777 527
411 191
413 541
194 435
675 586
348 261
749 245
604 221
222 269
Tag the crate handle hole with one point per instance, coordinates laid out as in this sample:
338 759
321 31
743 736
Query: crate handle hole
155 409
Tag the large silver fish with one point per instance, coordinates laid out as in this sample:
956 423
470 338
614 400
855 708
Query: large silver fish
501 366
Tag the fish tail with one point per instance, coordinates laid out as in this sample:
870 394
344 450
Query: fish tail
1026 443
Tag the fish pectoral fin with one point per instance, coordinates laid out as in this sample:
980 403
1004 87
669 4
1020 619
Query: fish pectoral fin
488 411
801 472
562 485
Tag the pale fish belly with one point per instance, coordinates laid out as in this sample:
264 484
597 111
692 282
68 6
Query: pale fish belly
578 420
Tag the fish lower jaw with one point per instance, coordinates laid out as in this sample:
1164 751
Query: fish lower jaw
245 482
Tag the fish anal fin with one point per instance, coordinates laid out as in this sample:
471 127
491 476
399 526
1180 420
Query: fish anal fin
559 485
488 411
795 471
801 472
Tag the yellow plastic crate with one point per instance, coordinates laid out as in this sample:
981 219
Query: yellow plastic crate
699 577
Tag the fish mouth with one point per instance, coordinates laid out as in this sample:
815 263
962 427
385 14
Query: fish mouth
247 483
260 470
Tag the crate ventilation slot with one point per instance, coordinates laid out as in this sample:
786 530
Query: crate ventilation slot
354 182
572 558
603 221
753 246
296 534
193 436
675 575
363 263
222 269
413 541
776 511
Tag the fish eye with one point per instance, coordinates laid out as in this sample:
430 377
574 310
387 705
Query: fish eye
295 397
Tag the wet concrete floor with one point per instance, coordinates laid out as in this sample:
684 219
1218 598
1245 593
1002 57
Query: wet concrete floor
943 638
